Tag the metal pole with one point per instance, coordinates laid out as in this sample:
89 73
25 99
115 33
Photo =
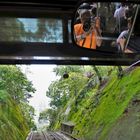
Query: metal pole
131 30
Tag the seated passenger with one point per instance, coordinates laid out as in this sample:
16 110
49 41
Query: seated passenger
121 40
133 45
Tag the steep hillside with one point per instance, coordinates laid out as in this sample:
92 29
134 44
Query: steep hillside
16 115
106 112
13 125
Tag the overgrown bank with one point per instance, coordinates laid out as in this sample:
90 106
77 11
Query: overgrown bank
16 116
99 112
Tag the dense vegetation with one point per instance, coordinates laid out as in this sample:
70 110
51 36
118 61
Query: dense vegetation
68 92
97 108
16 116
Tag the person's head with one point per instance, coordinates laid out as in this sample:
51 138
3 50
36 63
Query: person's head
128 13
84 6
123 4
84 15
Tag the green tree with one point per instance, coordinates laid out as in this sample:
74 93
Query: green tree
28 113
40 34
49 115
15 83
16 116
60 70
11 29
81 80
98 74
62 89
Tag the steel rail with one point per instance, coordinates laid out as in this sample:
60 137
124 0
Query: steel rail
70 136
30 136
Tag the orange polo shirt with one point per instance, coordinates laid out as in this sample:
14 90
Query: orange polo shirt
89 41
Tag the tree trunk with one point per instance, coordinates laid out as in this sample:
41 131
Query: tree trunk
98 73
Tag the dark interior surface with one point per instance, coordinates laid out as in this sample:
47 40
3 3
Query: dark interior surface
51 53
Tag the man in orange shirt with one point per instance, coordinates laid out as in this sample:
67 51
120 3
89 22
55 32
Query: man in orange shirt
88 33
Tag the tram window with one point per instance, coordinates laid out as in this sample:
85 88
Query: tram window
69 30
31 30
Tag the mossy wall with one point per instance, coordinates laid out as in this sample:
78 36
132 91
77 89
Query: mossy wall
12 123
102 111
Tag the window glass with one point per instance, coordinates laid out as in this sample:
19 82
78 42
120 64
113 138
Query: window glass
69 30
31 30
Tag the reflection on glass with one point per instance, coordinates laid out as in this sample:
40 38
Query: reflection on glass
105 26
69 30
31 30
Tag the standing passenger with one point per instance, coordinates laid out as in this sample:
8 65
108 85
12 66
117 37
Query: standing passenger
87 33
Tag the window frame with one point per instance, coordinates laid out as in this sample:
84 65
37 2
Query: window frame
52 53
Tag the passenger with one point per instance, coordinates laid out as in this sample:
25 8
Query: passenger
88 33
119 15
121 40
83 6
117 5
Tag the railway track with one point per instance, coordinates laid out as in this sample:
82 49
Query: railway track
48 136
37 136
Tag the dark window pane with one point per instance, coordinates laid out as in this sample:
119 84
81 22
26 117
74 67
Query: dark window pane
69 30
31 30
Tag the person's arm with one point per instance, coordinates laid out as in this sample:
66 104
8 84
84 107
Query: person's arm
115 13
97 31
98 37
121 40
